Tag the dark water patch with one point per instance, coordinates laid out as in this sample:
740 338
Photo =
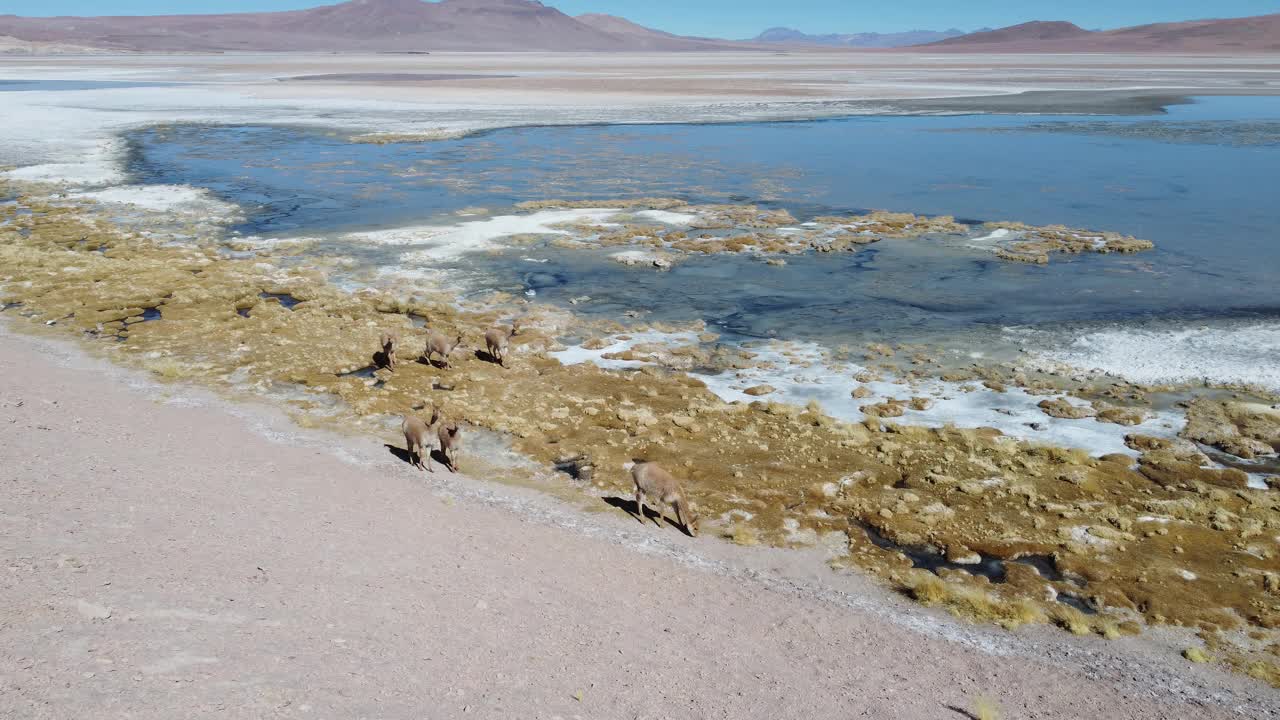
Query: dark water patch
286 300
578 468
1044 565
989 567
1261 466
1048 569
367 372
416 320
1229 133
151 314
10 306
1077 602
544 280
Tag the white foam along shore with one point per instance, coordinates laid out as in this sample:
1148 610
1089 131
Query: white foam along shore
800 373
1244 354
430 243
184 200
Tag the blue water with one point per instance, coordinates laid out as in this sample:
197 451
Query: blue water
70 85
1209 206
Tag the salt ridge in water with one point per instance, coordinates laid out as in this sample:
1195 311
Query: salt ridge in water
183 199
447 241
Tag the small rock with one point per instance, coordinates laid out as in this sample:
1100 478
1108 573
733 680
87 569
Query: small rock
92 611
1122 416
921 404
759 390
824 490
684 421
937 509
887 409
1075 476
961 555
1060 408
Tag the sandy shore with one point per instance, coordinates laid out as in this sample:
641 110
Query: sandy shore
173 555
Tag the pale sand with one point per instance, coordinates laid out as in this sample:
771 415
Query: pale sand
173 555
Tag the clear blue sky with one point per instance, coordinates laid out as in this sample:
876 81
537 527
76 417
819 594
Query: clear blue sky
745 18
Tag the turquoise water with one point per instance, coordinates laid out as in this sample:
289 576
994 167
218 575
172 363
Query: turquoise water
73 85
1183 180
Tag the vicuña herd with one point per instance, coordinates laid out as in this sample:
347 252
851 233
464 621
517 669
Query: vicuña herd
421 437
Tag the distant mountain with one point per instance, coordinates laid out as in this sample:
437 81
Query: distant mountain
358 26
620 26
1236 35
1035 31
14 46
516 25
862 40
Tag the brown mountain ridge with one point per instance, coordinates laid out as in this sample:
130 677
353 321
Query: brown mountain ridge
358 26
1259 34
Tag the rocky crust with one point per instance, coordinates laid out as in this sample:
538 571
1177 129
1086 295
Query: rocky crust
1246 430
1172 541
680 228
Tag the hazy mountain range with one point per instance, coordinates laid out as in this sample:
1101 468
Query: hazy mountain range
863 40
416 26
1252 34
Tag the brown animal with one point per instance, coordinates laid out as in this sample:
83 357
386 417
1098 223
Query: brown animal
419 437
498 339
438 344
663 489
450 440
390 343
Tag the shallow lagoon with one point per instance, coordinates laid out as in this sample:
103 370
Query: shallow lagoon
1206 200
